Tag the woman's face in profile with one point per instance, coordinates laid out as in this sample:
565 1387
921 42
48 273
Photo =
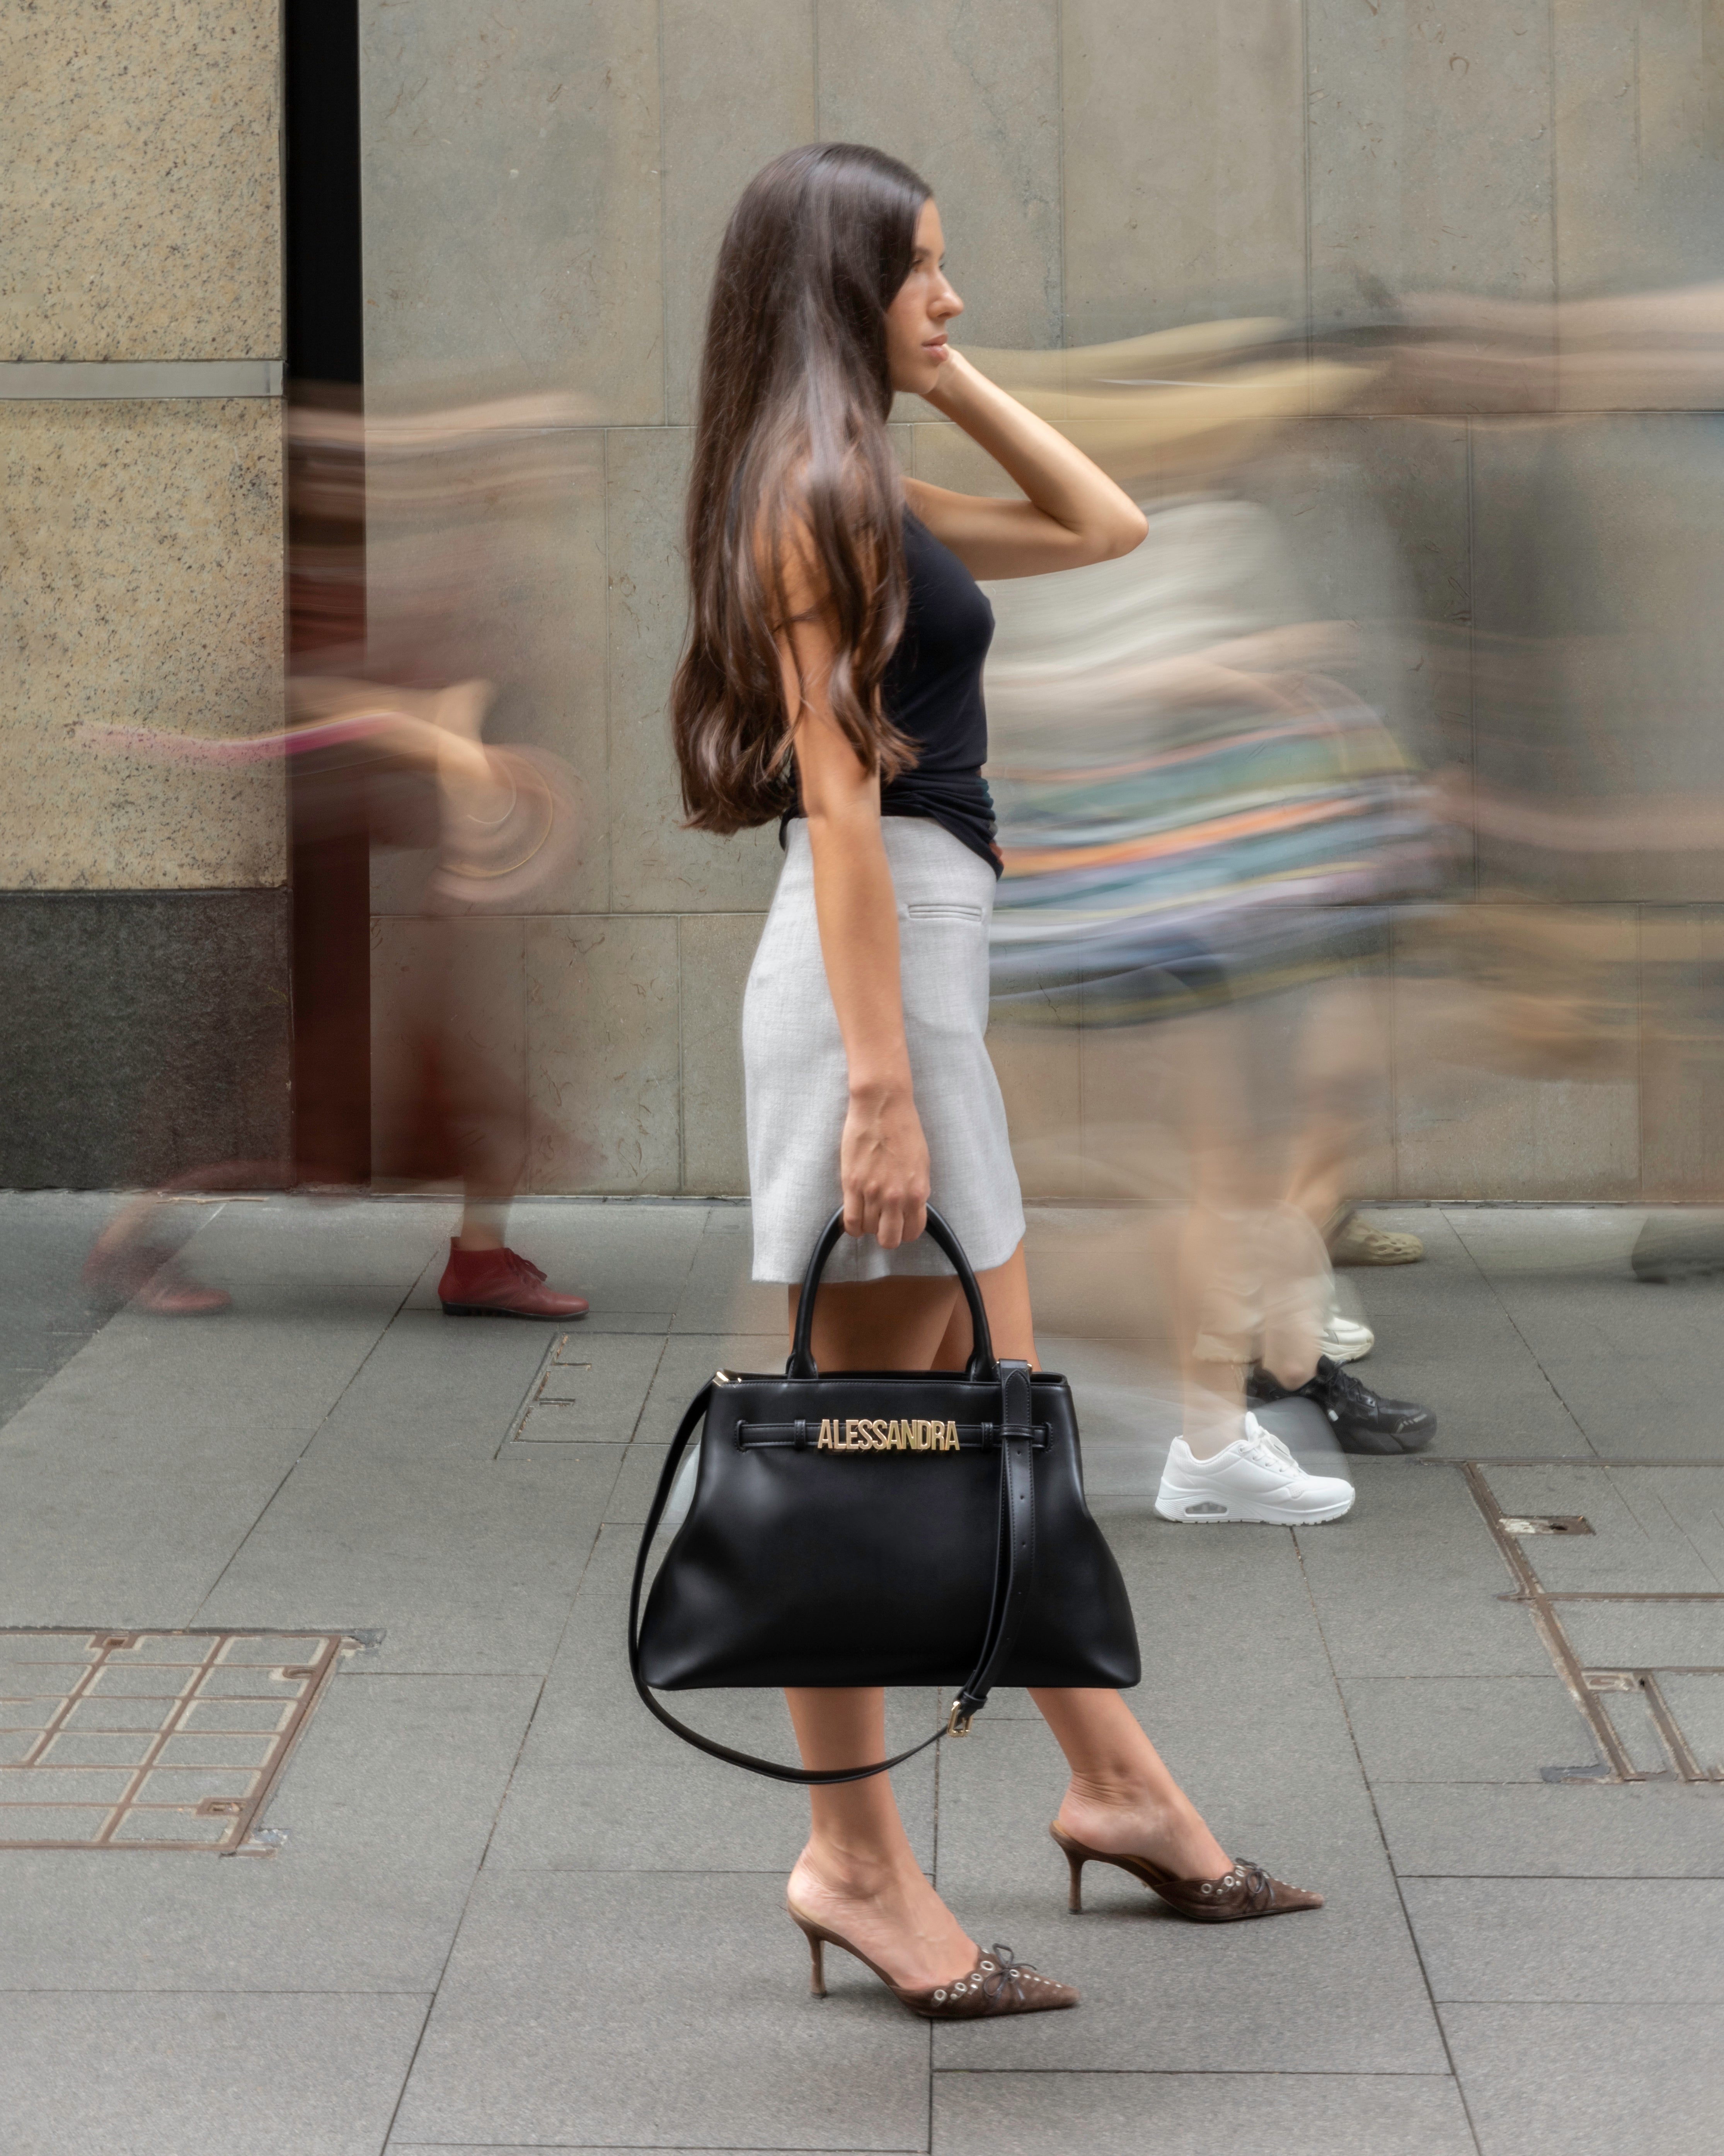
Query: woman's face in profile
917 320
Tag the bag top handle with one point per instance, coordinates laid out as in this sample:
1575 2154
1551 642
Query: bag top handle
981 1370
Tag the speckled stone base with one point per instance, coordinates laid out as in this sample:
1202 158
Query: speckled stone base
146 1033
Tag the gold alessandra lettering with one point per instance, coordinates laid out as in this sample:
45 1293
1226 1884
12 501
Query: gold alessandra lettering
865 1434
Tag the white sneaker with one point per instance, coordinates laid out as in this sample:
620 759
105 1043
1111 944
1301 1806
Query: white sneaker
1254 1478
1344 1339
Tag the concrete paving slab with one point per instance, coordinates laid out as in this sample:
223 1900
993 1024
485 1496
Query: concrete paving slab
1698 1705
1654 1530
1570 1241
1601 1941
1493 1401
297 1245
1091 2114
117 1509
234 1375
1365 2007
593 1391
434 1383
689 1361
203 2073
468 1568
388 1803
637 1478
721 1295
602 1786
1570 2081
46 1313
1407 1584
1621 1354
1646 1635
636 2009
1465 1729
1632 1830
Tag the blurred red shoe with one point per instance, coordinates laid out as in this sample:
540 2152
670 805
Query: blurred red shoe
500 1284
149 1278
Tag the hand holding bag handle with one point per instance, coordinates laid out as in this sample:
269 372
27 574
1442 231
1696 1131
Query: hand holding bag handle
1014 1565
982 1365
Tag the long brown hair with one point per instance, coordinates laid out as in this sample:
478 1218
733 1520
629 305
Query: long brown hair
790 454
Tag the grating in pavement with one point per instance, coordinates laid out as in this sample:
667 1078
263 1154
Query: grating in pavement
1642 1743
149 1740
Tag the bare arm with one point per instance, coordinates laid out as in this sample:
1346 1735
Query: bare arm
883 1161
1075 515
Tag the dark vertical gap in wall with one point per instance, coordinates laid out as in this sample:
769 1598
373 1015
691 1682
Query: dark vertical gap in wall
326 632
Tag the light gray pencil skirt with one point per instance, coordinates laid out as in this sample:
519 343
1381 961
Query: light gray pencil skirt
798 1084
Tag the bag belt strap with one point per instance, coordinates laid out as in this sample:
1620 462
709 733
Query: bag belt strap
1014 1576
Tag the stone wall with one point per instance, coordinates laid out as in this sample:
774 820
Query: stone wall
142 900
545 185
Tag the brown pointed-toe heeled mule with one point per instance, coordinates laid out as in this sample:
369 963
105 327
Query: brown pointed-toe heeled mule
1243 1890
998 1984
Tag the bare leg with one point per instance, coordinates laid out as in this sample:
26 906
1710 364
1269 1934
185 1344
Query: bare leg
857 1874
1120 1799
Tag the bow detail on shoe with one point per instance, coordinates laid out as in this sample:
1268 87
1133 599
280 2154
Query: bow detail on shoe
1260 1896
997 1973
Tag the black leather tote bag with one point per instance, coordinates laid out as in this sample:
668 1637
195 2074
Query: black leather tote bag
886 1528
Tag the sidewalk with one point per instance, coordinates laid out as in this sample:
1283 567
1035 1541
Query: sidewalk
495 1909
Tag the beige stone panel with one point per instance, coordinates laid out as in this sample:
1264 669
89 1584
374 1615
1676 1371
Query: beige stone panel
1597 569
738 89
945 456
1681 1053
602 1053
1105 1273
1430 152
1183 164
512 199
1640 189
656 865
447 1006
717 949
968 97
1375 512
140 564
1523 1085
1039 1072
507 584
141 192
1134 1096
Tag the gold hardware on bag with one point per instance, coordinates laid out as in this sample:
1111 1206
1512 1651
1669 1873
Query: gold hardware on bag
861 1435
727 1378
957 1723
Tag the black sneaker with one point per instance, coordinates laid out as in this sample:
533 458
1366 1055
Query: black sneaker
1361 1421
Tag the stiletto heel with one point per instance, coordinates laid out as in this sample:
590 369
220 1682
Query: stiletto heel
997 1984
1243 1890
817 1956
1074 1902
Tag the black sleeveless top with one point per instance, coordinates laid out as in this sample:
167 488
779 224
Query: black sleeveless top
932 693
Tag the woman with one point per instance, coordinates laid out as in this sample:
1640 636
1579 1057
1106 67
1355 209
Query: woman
832 678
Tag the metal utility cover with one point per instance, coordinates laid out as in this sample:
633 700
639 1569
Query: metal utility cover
149 1740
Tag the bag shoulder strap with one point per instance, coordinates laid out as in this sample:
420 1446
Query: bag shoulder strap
1014 1570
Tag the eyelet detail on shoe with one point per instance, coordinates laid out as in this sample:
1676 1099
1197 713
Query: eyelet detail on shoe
939 1995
